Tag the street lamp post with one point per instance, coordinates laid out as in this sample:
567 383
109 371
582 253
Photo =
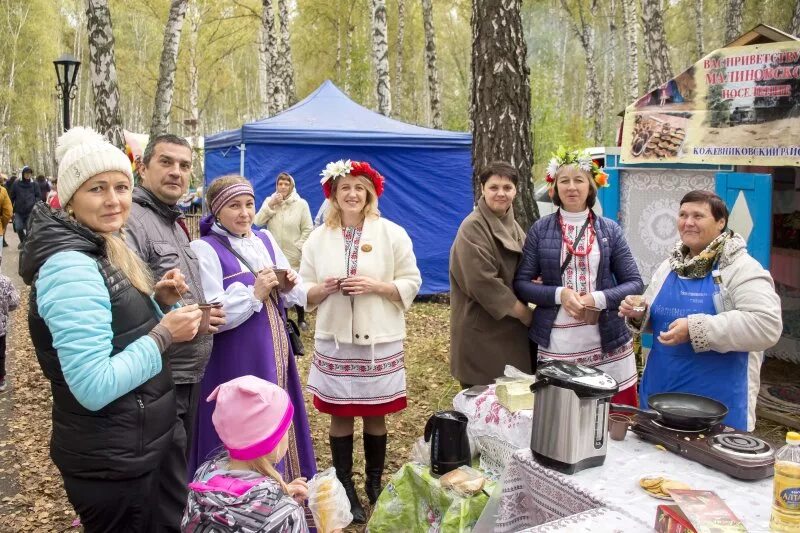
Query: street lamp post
67 71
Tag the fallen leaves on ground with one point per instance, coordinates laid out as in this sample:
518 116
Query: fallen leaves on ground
41 504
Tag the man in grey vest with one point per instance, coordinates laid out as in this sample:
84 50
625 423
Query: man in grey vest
157 231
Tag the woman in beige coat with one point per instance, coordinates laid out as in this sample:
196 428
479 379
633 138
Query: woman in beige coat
488 324
288 218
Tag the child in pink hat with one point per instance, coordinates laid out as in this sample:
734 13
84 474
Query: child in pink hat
241 490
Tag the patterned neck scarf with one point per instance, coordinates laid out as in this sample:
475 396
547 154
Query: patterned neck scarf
700 265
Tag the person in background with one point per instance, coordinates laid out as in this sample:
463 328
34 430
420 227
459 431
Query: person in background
485 314
700 346
9 301
52 197
237 267
241 489
574 260
24 195
360 272
288 218
157 233
6 214
8 186
44 186
319 218
96 322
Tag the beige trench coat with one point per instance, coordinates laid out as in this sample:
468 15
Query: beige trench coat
483 336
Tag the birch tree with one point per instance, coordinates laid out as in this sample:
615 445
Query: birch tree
795 29
269 53
398 64
102 65
733 19
166 68
434 92
287 65
15 19
581 23
632 49
655 44
380 57
698 26
500 107
611 71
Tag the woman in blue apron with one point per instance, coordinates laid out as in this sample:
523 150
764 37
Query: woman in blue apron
712 309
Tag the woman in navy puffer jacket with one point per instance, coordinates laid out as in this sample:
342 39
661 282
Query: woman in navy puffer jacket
573 263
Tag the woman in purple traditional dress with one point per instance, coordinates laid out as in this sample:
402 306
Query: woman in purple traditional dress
254 339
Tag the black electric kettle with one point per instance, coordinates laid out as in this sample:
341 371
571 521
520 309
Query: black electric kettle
447 433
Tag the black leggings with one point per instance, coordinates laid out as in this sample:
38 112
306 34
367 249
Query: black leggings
301 313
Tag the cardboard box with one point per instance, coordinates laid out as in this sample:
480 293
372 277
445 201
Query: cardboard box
670 519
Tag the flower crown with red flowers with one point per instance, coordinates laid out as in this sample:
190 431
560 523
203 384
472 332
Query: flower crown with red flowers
581 159
340 168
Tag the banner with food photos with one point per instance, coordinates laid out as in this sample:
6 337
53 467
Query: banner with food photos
736 106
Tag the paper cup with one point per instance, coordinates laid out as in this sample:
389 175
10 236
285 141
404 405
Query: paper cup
205 321
618 426
345 292
591 314
283 282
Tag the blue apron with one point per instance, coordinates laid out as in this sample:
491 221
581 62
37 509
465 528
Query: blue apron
722 376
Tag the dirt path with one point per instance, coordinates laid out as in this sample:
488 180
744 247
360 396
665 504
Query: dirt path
8 487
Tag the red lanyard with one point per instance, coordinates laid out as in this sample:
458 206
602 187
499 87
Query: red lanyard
571 245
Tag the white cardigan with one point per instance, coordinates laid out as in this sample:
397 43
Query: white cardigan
385 253
753 324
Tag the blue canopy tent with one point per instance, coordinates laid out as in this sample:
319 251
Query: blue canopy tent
428 172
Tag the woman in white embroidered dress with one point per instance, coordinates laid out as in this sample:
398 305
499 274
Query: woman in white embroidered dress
361 275
573 260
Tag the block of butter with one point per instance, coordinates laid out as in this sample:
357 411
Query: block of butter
515 395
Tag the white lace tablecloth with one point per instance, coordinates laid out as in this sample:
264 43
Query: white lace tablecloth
534 495
487 417
600 520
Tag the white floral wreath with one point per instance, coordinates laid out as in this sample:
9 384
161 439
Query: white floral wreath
336 169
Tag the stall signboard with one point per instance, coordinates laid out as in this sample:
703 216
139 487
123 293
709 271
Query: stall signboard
738 105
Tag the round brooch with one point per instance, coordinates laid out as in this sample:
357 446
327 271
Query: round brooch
366 248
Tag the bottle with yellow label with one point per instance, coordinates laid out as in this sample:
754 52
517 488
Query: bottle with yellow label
786 492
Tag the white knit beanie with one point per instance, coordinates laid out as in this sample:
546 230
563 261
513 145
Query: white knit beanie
83 153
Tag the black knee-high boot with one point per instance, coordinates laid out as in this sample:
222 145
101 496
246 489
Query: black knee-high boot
342 455
375 456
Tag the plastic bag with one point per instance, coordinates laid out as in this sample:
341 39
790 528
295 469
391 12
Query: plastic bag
464 481
421 452
328 502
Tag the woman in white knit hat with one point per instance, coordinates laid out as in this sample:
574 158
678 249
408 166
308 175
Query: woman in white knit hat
97 325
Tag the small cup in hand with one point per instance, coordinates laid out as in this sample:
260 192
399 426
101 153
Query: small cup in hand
345 292
638 302
205 321
283 282
591 314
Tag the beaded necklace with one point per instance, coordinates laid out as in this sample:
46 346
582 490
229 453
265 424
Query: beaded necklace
571 245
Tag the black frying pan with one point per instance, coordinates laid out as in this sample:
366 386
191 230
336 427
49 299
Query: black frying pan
680 410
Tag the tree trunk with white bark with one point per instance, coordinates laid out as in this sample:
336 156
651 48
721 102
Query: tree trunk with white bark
269 61
166 69
795 28
287 65
500 107
733 19
632 48
434 91
398 65
655 44
380 57
581 23
698 27
102 65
